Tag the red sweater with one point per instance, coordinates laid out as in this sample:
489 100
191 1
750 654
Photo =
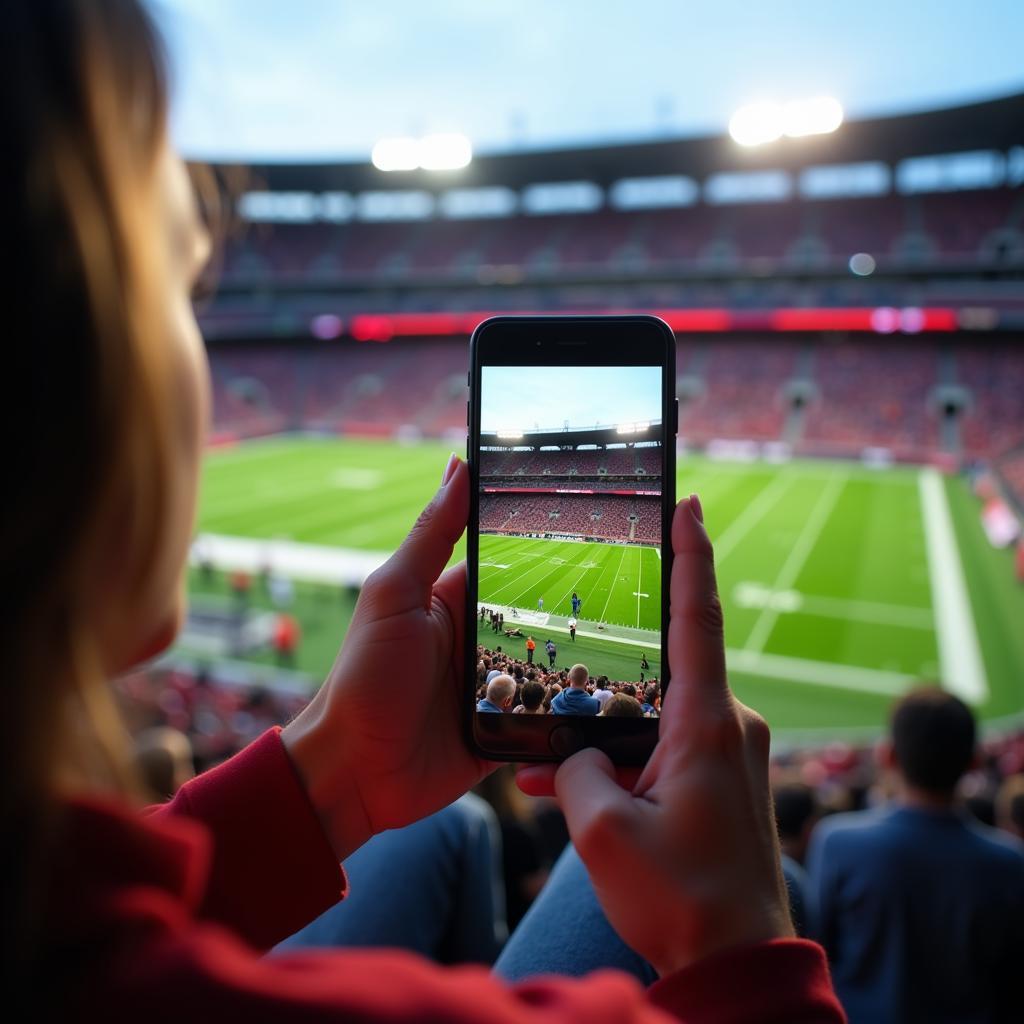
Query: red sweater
165 917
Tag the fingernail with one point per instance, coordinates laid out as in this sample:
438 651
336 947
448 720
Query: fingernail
695 507
453 461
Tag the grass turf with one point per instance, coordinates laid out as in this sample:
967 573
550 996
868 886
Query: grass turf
820 564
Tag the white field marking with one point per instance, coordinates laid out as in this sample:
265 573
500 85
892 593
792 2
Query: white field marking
513 580
495 565
612 587
798 556
757 595
638 594
519 559
751 516
639 583
356 479
963 671
540 580
657 551
586 567
819 673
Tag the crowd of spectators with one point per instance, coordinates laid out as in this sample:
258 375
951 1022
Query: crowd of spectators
611 517
509 684
588 462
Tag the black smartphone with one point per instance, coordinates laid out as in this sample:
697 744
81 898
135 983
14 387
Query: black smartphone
571 451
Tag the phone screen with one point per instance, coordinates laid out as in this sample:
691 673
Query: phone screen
569 609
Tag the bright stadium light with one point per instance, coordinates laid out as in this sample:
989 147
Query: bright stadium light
509 435
448 152
443 152
817 116
631 428
398 154
756 124
759 123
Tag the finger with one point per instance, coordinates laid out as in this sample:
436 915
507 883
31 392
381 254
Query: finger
539 779
595 806
407 578
696 641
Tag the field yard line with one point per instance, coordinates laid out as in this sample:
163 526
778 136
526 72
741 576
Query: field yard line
558 603
818 673
612 587
797 558
639 580
509 584
751 516
868 611
963 671
516 561
541 579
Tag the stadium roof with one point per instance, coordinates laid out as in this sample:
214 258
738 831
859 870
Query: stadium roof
993 124
570 438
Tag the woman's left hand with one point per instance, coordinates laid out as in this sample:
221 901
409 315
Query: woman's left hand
381 744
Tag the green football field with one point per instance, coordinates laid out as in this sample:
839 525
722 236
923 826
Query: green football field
842 585
619 584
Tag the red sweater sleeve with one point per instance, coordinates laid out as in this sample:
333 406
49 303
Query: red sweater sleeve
272 869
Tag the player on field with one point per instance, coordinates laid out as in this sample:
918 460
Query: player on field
572 630
540 604
552 653
577 604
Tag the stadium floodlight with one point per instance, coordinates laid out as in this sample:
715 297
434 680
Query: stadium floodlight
759 123
756 124
862 264
446 152
817 116
509 435
397 154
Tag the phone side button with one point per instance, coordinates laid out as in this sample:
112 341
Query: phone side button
565 740
676 427
467 449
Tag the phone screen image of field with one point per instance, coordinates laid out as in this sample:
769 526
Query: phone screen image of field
570 539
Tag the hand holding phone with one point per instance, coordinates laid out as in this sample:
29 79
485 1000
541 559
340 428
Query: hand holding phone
698 823
572 424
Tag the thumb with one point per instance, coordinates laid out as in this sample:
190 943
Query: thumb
600 814
407 578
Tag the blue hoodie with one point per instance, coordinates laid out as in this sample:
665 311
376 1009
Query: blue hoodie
575 702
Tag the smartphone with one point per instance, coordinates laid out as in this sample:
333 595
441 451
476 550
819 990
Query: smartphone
571 450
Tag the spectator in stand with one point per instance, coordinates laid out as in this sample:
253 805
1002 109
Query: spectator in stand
1010 806
652 699
921 909
575 700
796 813
532 695
601 692
167 915
621 706
287 634
501 691
241 587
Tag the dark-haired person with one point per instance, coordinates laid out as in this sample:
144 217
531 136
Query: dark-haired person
532 696
552 650
920 908
111 914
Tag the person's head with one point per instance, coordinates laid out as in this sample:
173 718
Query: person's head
532 696
796 811
932 735
651 693
501 691
578 676
111 369
1010 806
629 690
601 682
618 705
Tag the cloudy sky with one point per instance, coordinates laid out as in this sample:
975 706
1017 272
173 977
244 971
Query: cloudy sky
522 398
325 79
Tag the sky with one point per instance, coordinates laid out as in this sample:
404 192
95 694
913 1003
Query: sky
523 398
324 79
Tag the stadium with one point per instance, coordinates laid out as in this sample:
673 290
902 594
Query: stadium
850 378
266 753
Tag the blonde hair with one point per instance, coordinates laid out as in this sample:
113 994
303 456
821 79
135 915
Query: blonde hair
83 116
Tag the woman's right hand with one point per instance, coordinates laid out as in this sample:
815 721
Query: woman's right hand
687 863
